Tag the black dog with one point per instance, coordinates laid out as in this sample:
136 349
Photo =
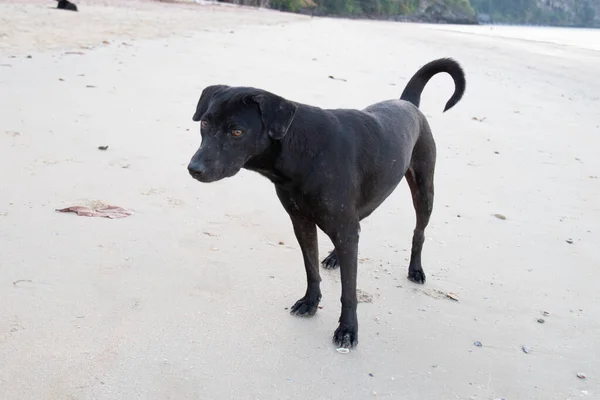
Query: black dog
331 168
66 5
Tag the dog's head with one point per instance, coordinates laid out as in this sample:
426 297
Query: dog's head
236 124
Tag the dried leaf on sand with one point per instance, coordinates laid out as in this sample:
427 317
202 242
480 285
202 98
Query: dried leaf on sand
98 210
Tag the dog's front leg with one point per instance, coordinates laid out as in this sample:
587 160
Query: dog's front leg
346 247
306 233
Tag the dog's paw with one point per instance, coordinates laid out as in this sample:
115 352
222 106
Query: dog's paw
346 336
417 276
331 261
306 307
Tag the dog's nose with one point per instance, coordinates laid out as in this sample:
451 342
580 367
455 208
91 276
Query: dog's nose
196 168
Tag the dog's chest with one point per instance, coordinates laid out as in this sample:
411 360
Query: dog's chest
294 201
304 204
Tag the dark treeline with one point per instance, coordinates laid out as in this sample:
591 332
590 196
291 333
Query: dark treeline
534 12
541 12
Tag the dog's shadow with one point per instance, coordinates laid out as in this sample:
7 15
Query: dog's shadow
61 9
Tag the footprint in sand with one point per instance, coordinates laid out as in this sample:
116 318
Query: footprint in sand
175 202
153 191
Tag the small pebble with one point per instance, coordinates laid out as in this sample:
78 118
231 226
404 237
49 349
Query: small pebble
546 313
371 375
500 216
281 243
478 344
541 320
342 350
581 375
102 147
570 241
526 349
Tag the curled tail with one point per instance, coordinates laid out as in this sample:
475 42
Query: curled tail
414 88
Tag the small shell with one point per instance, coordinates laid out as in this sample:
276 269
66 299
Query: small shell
343 350
452 296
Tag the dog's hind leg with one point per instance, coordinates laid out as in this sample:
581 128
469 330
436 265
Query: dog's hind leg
420 180
331 261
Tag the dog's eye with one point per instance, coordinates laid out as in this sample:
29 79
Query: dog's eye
237 132
204 123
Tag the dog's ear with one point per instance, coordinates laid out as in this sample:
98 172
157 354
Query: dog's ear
276 112
205 98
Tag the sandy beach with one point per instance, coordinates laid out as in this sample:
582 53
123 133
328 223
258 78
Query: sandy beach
187 298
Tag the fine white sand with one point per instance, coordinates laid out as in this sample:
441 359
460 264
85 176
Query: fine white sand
186 298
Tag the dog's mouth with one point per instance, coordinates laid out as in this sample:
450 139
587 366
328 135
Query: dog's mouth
206 177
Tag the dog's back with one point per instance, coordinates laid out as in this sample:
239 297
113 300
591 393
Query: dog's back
388 137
